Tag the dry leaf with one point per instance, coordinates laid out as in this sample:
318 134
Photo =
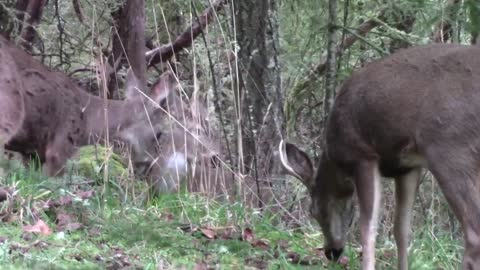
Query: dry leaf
247 235
86 194
39 227
260 243
209 233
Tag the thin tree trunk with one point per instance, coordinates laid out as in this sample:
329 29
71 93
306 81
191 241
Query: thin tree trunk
331 63
262 120
130 26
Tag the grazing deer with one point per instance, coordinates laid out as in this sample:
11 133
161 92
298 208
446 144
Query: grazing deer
186 143
44 112
418 108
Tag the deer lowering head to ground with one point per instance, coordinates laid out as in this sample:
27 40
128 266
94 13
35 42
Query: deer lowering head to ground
44 113
185 144
418 108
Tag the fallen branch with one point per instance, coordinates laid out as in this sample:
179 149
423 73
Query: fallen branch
185 39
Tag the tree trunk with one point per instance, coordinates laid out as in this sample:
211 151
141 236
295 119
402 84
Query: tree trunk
260 96
331 78
129 37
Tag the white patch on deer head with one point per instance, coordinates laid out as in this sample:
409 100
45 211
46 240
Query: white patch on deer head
177 162
142 135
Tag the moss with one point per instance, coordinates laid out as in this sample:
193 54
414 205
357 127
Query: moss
90 162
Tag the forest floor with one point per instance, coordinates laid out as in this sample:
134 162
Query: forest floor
74 223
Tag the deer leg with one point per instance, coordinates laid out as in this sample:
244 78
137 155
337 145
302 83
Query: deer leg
368 187
464 198
459 181
55 156
405 191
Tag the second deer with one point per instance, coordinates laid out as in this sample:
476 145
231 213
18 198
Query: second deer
418 108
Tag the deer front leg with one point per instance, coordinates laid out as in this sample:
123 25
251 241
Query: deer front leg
368 185
56 155
405 191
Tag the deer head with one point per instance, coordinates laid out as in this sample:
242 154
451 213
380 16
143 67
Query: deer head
331 204
142 134
186 142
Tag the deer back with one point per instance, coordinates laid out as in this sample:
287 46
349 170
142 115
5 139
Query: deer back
61 116
397 105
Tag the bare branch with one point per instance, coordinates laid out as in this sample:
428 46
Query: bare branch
34 9
185 39
78 10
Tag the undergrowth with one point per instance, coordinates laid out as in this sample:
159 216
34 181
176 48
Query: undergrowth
89 226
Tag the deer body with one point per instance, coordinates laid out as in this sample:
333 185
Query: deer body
13 108
51 116
418 108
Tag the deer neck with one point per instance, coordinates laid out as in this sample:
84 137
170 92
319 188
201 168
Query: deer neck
112 115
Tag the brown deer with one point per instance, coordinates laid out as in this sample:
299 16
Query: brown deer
418 108
44 112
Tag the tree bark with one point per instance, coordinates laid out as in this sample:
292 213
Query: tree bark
34 10
129 38
331 63
260 96
185 39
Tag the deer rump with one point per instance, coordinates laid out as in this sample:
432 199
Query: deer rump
45 113
417 108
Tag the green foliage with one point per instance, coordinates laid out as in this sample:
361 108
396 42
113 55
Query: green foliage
473 9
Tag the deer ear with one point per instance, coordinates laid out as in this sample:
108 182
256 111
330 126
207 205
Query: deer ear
133 85
163 87
296 163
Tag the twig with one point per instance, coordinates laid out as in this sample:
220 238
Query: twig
185 39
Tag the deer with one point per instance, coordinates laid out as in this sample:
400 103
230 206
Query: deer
415 109
186 145
43 112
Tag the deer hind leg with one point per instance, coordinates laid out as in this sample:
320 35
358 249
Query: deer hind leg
459 180
368 185
405 191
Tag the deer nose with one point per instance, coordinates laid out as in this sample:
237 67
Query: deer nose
333 253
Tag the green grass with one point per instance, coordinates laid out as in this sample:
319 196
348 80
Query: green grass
121 229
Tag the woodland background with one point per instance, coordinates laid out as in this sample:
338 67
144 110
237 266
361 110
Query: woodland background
267 70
